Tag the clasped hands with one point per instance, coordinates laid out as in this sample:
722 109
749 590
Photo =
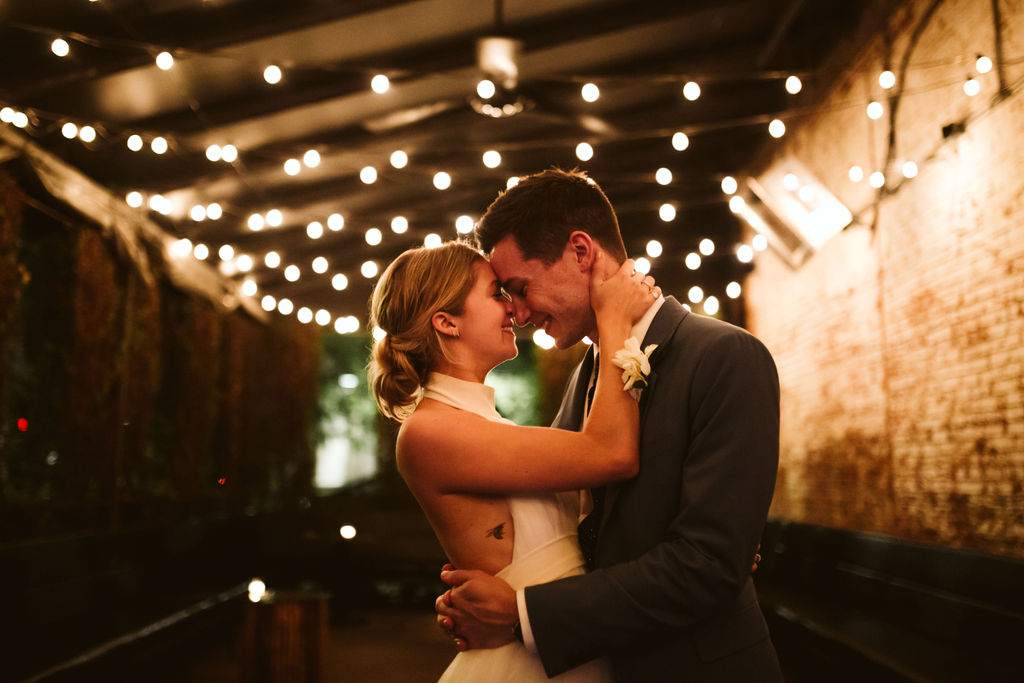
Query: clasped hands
478 611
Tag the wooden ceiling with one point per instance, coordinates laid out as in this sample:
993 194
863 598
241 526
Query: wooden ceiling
639 54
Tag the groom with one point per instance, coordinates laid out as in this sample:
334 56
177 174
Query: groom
669 594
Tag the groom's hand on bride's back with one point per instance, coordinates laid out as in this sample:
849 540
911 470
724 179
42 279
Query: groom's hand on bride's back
479 611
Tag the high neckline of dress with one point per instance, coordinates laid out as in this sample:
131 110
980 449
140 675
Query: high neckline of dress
474 397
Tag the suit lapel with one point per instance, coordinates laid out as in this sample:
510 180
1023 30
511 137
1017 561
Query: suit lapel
661 331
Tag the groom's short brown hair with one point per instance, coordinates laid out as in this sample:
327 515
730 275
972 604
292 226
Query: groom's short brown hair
544 208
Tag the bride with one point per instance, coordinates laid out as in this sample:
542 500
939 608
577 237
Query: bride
501 498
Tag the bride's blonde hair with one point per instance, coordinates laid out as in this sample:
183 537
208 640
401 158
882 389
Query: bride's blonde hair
417 284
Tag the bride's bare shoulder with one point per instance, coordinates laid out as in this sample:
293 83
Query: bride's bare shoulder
430 426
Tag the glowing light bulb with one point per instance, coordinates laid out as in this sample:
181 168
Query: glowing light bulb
543 340
806 194
642 265
335 222
348 532
272 74
590 92
399 159
86 133
133 199
305 315
654 248
464 225
680 141
584 151
323 317
692 260
695 294
442 180
268 303
877 179
213 153
909 170
311 158
511 182
226 252
164 61
691 91
135 143
776 128
285 307
380 84
399 224
983 65
158 145
256 222
485 89
706 247
339 281
69 130
887 79
663 176
432 241
201 252
244 263
760 242
197 213
314 230
272 259
729 185
213 211
737 203
856 173
292 273
733 290
292 167
373 236
368 269
793 85
744 253
274 218
182 248
667 212
791 182
60 47
971 87
492 158
875 110
320 265
229 153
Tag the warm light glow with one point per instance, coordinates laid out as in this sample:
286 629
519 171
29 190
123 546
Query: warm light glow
272 259
971 87
399 224
729 185
667 212
442 180
135 142
293 167
485 89
182 247
680 141
791 182
256 222
983 65
368 269
663 176
314 230
86 133
197 213
7 115
642 265
877 179
244 263
711 305
910 170
134 199
226 252
374 236
776 128
229 153
887 79
20 119
257 589
584 151
159 145
543 340
320 265
737 203
380 84
213 211
274 218
492 158
856 174
695 294
305 315
60 47
464 225
213 153
348 532
654 249
323 317
706 247
590 92
806 194
201 252
399 159
760 242
339 281
733 290
511 182
744 253
272 74
335 222
692 260
311 158
285 307
268 303
432 241
69 130
793 85
249 288
164 61
292 273
875 110
691 91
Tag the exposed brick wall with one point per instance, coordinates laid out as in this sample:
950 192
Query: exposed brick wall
900 344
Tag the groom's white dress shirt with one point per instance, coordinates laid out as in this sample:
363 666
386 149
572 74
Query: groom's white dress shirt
639 330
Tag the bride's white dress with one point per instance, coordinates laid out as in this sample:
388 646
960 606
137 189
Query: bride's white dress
545 548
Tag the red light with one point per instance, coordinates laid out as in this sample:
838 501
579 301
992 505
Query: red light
22 424
221 481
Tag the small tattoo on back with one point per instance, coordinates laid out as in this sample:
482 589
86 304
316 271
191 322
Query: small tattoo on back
498 532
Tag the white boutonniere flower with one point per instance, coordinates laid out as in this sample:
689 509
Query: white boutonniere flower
635 364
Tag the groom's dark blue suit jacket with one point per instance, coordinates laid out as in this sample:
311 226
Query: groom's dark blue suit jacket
671 596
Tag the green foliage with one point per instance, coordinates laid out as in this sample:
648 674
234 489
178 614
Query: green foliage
515 386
